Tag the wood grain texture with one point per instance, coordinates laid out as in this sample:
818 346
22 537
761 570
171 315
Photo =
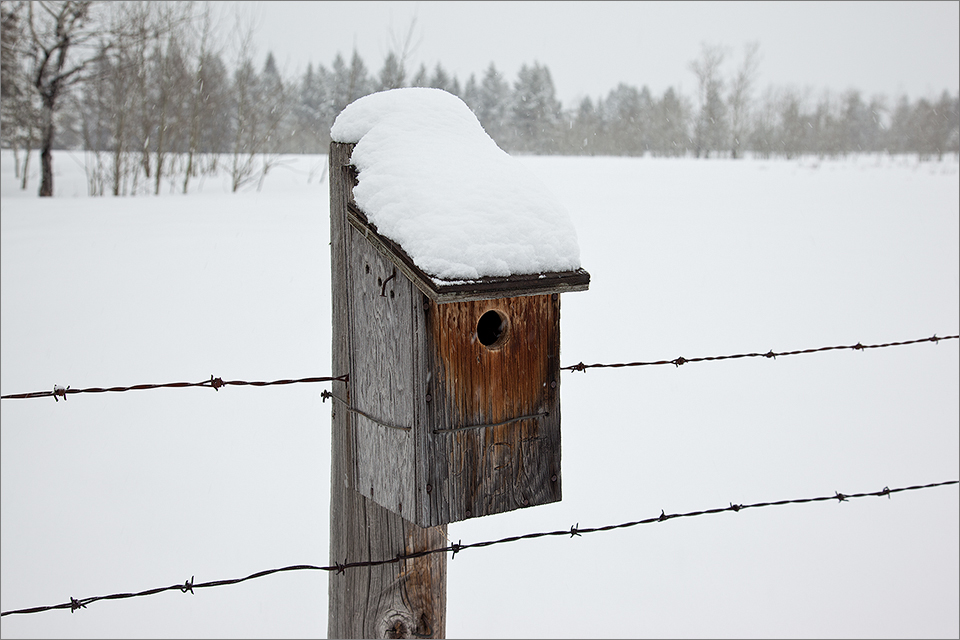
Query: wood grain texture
381 374
405 599
478 469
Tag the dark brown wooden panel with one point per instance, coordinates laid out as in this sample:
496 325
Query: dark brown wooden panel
497 407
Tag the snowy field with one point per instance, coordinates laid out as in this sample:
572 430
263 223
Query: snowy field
108 493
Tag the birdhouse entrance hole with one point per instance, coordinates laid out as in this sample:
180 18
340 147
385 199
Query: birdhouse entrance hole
492 329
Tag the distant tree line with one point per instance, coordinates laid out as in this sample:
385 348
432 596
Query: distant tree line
148 92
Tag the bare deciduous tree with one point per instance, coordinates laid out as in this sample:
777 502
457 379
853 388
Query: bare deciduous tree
19 100
205 96
709 129
741 93
394 73
58 31
792 132
132 93
260 107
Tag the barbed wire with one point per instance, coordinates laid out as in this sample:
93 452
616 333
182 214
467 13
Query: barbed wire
580 366
573 531
216 383
212 383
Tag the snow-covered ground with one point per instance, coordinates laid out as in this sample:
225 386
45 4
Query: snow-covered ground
124 492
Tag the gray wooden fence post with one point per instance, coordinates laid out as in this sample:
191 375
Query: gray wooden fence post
399 600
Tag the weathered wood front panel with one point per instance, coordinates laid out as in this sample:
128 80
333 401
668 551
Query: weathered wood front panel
405 599
494 433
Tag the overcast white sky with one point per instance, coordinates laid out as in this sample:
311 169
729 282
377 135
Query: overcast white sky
878 47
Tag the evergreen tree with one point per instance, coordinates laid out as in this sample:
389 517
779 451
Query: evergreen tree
171 86
646 119
215 95
626 116
348 83
898 136
945 125
830 128
715 134
392 75
471 93
360 82
206 100
421 79
535 113
792 130
953 128
339 90
933 127
310 117
441 79
493 99
585 130
857 123
669 125
270 66
273 105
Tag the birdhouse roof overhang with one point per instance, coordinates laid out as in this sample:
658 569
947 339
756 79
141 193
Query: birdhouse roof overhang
484 288
458 215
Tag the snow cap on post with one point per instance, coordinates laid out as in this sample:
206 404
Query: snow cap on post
432 181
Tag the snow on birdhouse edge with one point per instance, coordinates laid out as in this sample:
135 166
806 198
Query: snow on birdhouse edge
431 180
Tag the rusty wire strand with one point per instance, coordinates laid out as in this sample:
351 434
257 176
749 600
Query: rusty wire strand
573 531
580 366
212 383
216 383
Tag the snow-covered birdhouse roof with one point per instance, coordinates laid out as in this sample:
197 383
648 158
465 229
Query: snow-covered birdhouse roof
461 217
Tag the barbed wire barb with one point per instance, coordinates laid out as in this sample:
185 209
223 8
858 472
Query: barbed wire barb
457 547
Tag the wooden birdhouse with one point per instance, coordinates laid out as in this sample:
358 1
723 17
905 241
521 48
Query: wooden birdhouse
452 406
